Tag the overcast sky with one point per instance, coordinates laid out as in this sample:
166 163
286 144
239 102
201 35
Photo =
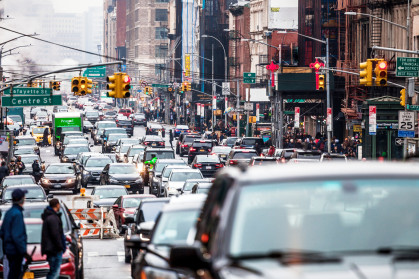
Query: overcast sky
75 5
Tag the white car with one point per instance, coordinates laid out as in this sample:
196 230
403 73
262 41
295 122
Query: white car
178 177
41 116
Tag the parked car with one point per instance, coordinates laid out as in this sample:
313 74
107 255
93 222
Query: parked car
63 176
207 164
123 174
199 147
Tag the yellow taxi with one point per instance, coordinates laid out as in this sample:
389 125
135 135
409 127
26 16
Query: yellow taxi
38 133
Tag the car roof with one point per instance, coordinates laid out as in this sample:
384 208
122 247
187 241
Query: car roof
259 158
109 187
198 180
24 186
159 149
18 176
120 164
185 170
24 146
169 161
185 202
138 196
151 200
243 150
59 164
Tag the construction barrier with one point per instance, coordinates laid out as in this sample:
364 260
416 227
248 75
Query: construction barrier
94 222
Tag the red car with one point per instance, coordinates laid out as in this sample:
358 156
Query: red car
126 112
39 267
125 206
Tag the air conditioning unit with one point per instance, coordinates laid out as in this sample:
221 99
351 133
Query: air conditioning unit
267 33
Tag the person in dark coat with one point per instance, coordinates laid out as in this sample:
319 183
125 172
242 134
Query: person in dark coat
45 137
53 241
171 138
36 170
13 234
4 170
20 165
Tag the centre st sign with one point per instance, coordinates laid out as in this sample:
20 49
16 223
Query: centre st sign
31 100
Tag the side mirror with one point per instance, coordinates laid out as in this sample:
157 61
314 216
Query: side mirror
189 257
115 206
50 196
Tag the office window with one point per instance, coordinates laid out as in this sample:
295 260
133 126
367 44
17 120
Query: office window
161 51
161 33
158 69
161 14
162 1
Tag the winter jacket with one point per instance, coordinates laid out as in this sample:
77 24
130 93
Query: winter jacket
4 171
53 240
13 232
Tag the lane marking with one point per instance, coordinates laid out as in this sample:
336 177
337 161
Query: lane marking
92 254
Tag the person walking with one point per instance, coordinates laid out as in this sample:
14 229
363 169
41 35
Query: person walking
36 170
171 137
271 151
13 234
13 167
53 243
4 170
45 141
20 165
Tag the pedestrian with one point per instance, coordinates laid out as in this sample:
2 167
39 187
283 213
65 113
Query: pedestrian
45 141
36 170
13 167
13 234
53 243
20 165
4 170
271 151
171 138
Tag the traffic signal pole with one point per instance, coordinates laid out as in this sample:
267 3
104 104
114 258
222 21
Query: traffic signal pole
329 129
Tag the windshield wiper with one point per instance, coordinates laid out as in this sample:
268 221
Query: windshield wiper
401 252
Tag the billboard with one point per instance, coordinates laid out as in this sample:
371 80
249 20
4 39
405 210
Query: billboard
283 14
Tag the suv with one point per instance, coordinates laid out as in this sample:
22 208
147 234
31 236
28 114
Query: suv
92 116
160 153
125 112
185 143
199 147
250 143
180 139
98 129
127 125
111 140
139 119
91 169
240 156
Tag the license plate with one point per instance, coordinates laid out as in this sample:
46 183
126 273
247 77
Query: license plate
223 156
153 144
127 186
28 275
201 150
57 186
97 178
208 167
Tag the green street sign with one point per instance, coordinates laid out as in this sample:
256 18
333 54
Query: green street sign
412 107
29 91
95 72
29 101
160 85
249 77
407 67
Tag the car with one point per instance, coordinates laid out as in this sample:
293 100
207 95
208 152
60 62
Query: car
127 125
221 151
111 140
207 164
17 151
153 141
180 215
121 151
34 110
92 116
180 129
139 119
147 212
199 147
87 126
112 130
77 140
189 184
123 174
66 141
63 176
35 193
112 156
177 178
28 160
38 133
124 208
107 195
180 139
71 150
286 153
250 143
60 109
13 180
109 115
240 157
263 161
98 129
339 207
159 153
185 142
26 141
325 157
156 174
201 188
91 168
132 151
129 141
59 143
41 116
230 141
313 155
125 111
154 129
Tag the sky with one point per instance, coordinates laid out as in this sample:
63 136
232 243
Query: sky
75 5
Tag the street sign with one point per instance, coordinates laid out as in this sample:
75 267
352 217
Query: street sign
28 91
399 141
372 119
329 119
297 117
95 72
249 77
160 85
412 107
407 67
406 120
406 134
226 88
28 101
248 106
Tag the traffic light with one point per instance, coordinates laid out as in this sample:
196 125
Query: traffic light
112 85
188 86
321 82
403 97
55 85
151 90
147 90
366 73
82 86
75 83
125 83
381 73
89 85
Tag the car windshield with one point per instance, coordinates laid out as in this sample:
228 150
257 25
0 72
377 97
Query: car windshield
24 151
107 193
325 216
33 193
74 150
203 145
160 155
168 171
115 137
244 155
151 210
131 202
28 160
92 114
221 149
160 166
106 125
129 141
174 228
98 162
17 181
68 138
231 140
113 131
15 118
207 159
124 148
203 189
135 150
182 176
123 169
22 142
190 139
34 233
78 141
308 155
38 130
59 169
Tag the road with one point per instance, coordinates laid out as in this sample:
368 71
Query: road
102 258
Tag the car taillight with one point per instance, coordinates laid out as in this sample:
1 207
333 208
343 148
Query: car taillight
176 130
192 149
219 166
233 162
161 143
242 147
185 145
197 166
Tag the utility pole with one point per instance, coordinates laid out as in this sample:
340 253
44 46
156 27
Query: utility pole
213 88
329 129
407 79
167 100
237 107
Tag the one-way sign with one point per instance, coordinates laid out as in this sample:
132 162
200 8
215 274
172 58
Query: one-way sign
399 141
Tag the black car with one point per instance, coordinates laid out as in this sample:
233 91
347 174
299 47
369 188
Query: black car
199 147
159 153
208 164
35 193
251 143
71 151
127 125
92 168
263 161
123 174
110 142
153 141
61 177
139 119
185 142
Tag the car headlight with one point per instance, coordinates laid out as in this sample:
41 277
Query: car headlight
111 179
156 273
65 159
44 180
70 180
85 172
66 260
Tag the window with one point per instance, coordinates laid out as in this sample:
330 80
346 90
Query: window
158 68
161 51
162 1
161 33
161 15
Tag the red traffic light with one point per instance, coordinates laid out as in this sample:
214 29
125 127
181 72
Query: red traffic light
382 65
126 79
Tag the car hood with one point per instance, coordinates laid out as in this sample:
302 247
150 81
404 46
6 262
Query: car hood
177 185
125 176
130 210
94 169
352 267
105 202
55 176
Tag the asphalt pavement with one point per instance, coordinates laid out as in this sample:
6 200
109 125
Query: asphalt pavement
103 258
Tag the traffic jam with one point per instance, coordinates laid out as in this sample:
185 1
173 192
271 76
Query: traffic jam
189 204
